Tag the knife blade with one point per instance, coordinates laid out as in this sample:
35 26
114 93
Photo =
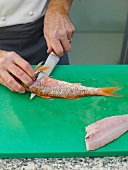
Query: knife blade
51 61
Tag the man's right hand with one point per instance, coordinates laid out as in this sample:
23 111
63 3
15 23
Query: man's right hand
12 64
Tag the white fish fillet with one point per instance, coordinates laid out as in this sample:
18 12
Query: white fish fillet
104 131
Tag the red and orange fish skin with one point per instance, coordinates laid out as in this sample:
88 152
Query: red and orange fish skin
51 88
47 87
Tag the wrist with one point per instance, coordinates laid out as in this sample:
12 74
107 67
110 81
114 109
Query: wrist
60 6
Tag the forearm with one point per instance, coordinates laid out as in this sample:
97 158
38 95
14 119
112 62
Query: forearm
58 5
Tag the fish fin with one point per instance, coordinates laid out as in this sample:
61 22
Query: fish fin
37 66
71 97
43 68
46 97
110 92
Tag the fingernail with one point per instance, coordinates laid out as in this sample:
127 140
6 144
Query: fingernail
23 91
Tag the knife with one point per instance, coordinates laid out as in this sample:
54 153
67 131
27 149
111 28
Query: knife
51 61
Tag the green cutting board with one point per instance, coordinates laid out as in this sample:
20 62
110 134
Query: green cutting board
56 128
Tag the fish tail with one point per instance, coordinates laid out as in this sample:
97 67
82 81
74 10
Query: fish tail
110 92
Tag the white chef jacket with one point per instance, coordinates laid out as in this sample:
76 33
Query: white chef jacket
13 12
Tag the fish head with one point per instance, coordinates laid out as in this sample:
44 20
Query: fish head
36 84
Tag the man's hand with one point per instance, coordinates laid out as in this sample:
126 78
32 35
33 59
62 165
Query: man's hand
58 28
12 64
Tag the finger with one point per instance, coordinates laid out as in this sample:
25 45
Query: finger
5 84
57 47
64 40
69 34
70 28
12 82
66 44
20 74
73 28
24 65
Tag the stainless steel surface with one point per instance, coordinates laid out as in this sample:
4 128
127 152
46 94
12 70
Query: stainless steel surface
51 61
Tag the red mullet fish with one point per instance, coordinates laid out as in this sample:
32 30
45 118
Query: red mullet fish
49 88
106 130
